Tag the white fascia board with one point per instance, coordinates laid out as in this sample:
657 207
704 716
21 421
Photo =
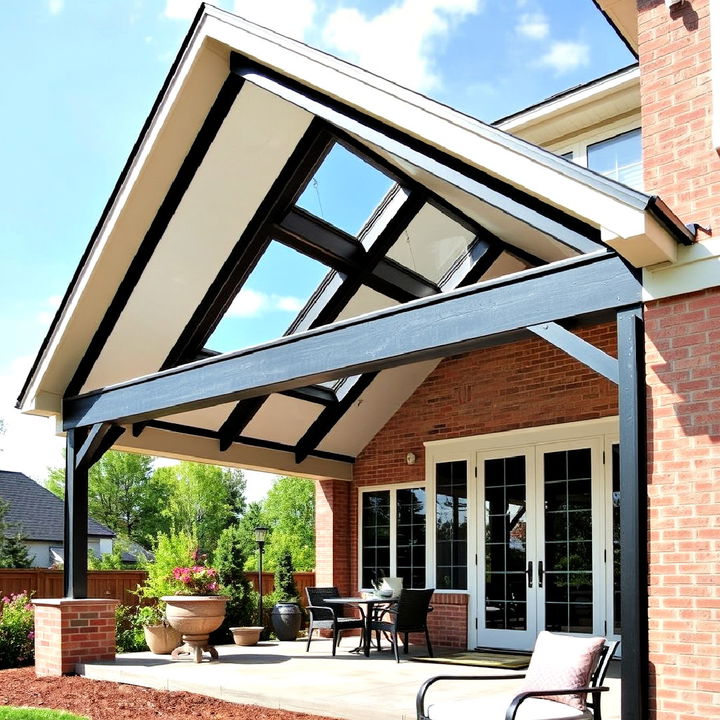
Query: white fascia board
697 268
32 400
627 80
648 242
452 132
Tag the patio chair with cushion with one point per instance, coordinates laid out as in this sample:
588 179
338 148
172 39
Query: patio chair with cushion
409 615
563 671
325 617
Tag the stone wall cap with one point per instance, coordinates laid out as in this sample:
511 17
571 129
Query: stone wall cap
60 602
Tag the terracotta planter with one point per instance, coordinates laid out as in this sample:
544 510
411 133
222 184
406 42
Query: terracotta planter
246 636
161 639
195 616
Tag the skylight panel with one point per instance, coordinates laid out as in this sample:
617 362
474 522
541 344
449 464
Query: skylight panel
277 289
431 244
345 190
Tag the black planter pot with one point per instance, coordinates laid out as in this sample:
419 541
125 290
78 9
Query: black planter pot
286 619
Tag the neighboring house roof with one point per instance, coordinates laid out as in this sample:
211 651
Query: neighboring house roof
36 511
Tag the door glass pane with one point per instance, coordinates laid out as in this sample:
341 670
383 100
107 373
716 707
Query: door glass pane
568 541
375 536
411 511
451 529
616 536
505 544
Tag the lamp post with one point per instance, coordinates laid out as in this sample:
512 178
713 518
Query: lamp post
260 535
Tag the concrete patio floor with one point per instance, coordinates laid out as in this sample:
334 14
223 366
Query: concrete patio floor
282 675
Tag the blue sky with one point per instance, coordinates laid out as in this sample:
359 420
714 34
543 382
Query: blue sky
80 77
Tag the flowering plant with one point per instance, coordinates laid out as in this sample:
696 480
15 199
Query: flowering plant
16 631
196 580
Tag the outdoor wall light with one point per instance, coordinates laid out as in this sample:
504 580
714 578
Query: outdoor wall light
410 458
673 4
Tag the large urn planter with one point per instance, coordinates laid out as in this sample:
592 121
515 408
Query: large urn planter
246 636
195 617
286 619
161 639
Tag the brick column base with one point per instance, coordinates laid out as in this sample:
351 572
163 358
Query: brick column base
71 631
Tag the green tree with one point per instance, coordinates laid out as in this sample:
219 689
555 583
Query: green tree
285 588
170 550
202 499
123 494
13 551
289 512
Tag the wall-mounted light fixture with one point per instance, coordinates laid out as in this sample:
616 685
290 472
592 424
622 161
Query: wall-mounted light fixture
673 4
410 458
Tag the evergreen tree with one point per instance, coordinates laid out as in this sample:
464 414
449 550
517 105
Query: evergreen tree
13 550
285 588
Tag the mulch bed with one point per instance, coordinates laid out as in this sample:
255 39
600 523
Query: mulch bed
101 700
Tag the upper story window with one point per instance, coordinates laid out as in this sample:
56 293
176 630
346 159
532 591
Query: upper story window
619 158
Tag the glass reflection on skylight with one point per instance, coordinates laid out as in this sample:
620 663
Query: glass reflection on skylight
345 190
276 290
431 244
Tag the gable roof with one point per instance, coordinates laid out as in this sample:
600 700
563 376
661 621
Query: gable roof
243 121
38 512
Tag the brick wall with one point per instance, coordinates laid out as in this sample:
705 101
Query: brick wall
680 163
683 357
332 508
524 384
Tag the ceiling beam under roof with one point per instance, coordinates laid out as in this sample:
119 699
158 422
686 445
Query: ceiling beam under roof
425 329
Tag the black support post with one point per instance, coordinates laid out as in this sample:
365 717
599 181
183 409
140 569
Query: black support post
76 518
633 514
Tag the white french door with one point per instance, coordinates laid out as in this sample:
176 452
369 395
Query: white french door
541 542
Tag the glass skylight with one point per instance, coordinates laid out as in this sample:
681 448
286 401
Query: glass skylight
431 244
276 290
345 190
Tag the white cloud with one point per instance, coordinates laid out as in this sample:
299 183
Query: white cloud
55 6
252 303
533 25
45 316
288 17
181 9
564 57
29 443
398 43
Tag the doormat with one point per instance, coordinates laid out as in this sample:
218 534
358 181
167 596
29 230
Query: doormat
480 659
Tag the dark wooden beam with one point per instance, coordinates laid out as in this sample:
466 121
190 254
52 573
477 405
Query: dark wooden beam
244 440
75 548
329 417
318 394
206 135
634 665
583 351
429 328
237 420
253 241
100 439
501 195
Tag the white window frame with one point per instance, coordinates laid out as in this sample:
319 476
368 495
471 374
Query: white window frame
392 488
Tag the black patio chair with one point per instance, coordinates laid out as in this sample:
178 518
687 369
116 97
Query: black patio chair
540 697
326 617
409 615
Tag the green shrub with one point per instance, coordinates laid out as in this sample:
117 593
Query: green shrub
229 561
29 713
170 551
285 588
129 635
17 646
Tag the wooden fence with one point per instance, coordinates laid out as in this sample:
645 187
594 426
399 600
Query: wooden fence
118 584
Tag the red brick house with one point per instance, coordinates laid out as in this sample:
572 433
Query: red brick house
505 381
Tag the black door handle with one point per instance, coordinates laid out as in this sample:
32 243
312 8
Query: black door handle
529 573
541 573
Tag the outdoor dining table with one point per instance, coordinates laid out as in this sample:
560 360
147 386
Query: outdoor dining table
370 603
